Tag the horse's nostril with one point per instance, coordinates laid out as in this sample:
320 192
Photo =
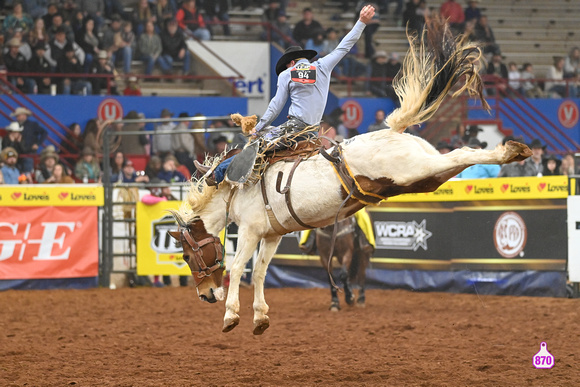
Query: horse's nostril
203 298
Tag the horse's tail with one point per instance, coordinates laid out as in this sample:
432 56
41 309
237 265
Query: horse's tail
433 65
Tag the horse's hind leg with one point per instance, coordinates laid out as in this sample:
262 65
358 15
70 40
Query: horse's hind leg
267 250
247 242
345 278
362 277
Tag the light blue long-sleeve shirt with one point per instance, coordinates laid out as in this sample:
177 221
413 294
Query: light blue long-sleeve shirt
308 98
480 171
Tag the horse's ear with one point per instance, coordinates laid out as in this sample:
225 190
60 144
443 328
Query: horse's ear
175 234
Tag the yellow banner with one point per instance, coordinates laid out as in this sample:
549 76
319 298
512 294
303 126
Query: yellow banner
505 188
51 195
157 253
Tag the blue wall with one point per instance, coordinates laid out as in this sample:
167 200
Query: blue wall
68 109
549 110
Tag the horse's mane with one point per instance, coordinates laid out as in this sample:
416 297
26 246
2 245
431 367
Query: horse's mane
433 65
199 194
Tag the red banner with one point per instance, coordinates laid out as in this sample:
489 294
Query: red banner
48 242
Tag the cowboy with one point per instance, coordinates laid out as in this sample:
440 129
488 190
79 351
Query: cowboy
307 86
33 135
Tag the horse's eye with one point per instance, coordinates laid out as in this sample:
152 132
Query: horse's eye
186 258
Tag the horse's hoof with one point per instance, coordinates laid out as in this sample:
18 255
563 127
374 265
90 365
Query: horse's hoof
230 324
521 151
261 325
335 307
349 300
360 304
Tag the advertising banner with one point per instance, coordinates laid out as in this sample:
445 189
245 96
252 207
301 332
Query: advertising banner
51 195
157 251
48 242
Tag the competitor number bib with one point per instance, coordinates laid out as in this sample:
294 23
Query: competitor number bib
303 73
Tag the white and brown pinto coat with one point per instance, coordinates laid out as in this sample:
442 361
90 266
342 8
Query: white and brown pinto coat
386 162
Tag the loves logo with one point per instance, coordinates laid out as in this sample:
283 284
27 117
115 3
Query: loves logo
16 195
468 188
504 187
541 186
63 195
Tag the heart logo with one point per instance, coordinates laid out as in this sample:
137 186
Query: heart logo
541 186
63 195
16 195
504 187
468 188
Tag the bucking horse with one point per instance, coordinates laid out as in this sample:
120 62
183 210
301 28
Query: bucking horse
363 170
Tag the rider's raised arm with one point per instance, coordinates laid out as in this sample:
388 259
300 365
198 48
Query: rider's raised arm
343 48
277 103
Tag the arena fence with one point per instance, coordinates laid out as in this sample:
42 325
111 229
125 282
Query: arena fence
118 221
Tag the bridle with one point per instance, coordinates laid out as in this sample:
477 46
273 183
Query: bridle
198 251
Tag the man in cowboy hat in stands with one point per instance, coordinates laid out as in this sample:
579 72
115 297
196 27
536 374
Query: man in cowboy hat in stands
33 135
537 158
307 86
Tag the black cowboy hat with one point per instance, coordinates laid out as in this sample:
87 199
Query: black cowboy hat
536 143
443 145
473 142
292 53
473 128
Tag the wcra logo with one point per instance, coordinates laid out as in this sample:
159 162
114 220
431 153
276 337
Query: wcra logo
168 252
402 235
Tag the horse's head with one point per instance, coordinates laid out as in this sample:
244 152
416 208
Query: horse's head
204 254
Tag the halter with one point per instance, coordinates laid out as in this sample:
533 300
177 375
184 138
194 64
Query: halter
198 247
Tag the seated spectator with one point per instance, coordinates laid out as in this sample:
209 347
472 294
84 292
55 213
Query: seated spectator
220 144
60 176
39 64
281 28
174 49
117 162
572 63
381 68
568 166
13 138
316 43
143 15
498 74
17 19
349 66
10 172
306 28
217 12
453 13
113 7
514 78
183 144
103 66
128 174
191 21
88 40
472 12
164 11
93 9
555 86
162 142
70 64
72 144
529 85
169 171
108 38
87 168
330 42
90 135
56 49
484 34
48 159
33 136
16 62
38 33
132 87
58 24
460 137
149 46
479 171
51 11
123 44
551 166
77 24
153 167
379 121
443 147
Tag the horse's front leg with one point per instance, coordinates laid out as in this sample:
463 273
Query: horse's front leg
267 250
247 242
345 277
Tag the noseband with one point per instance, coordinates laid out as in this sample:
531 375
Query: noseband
198 247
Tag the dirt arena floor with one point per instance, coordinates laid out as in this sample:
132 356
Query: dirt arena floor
167 337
